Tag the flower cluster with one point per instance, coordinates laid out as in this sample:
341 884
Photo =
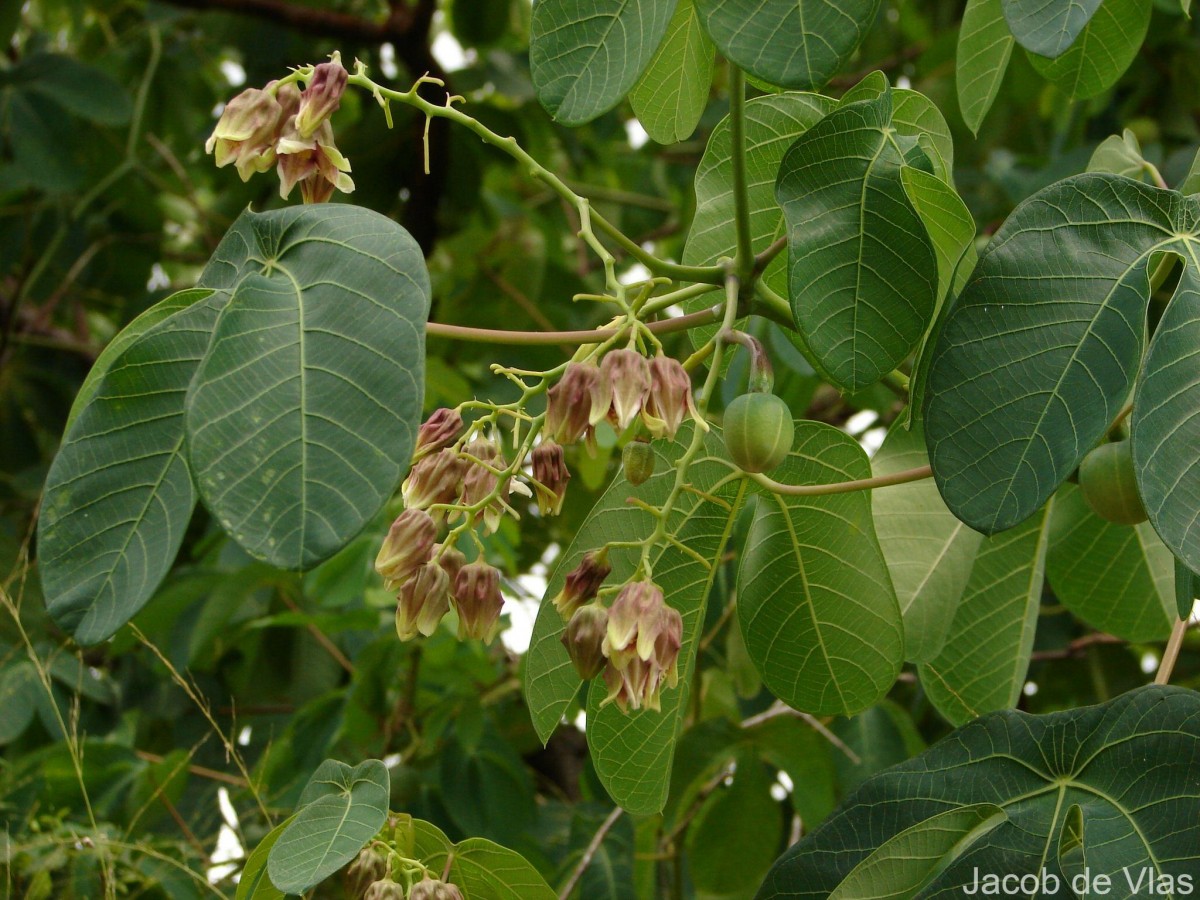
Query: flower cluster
283 127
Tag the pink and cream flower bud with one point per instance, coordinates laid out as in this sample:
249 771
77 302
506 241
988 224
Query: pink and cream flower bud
569 403
584 638
246 132
628 376
481 482
582 583
551 476
315 157
408 545
439 431
451 559
422 601
670 397
432 889
642 644
478 601
437 478
322 96
384 889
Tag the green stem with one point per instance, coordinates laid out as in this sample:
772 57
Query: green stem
771 306
666 301
744 262
841 487
538 338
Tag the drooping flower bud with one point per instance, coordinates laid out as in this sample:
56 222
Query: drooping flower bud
451 559
322 96
409 544
583 582
384 889
569 403
368 867
440 430
481 482
584 638
478 601
551 476
432 889
245 134
436 478
422 601
634 620
316 157
670 397
642 644
628 375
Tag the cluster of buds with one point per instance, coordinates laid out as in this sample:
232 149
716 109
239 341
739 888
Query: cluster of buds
623 386
635 643
369 867
425 889
283 127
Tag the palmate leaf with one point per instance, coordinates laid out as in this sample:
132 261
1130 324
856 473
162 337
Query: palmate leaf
862 272
585 55
1034 768
815 603
1040 350
984 48
119 493
633 752
791 43
670 97
1048 29
303 413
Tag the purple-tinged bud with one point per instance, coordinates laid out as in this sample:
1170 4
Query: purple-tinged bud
480 482
583 582
288 96
670 397
245 134
584 638
642 644
440 430
385 889
409 544
368 867
322 96
437 478
550 475
432 889
634 620
315 157
569 403
628 375
451 559
668 645
478 601
422 601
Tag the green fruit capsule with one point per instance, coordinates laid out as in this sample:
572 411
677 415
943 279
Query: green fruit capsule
637 459
758 431
1109 484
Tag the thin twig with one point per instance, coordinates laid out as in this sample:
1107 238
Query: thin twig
1171 654
593 336
201 771
782 709
592 847
842 487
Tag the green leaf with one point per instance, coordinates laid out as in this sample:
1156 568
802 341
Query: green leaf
302 416
19 691
908 862
340 809
727 861
119 493
929 552
1006 420
1102 52
1035 768
1119 155
795 747
673 91
484 870
1117 578
1187 589
585 55
1191 181
862 271
1048 29
77 87
254 883
984 47
791 43
815 602
632 752
985 658
915 114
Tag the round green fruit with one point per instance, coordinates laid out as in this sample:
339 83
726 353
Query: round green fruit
758 431
1109 484
637 460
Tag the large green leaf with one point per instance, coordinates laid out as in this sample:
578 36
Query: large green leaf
586 54
1048 29
1035 768
985 658
815 603
254 883
119 493
302 416
1102 52
862 273
673 91
1040 350
929 552
481 869
340 809
791 43
633 751
984 47
1118 578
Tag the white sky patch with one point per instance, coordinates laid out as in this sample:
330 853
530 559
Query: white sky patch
903 82
158 278
581 720
233 72
229 848
634 274
1149 663
243 738
861 421
522 610
635 134
387 61
1030 689
450 53
873 440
